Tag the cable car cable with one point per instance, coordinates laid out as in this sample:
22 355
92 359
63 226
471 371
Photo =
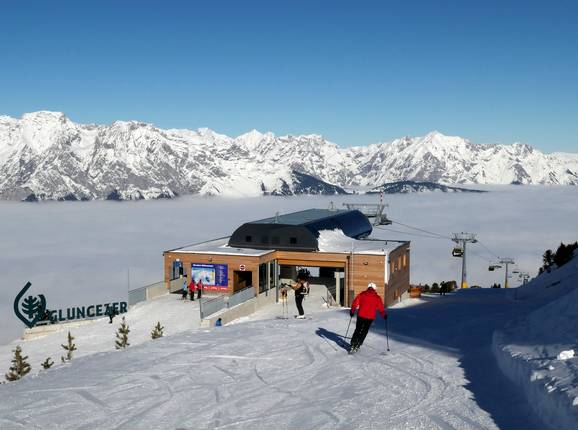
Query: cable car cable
489 250
421 229
409 233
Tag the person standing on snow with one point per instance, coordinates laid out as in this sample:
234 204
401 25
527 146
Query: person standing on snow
368 303
184 290
192 290
199 289
301 289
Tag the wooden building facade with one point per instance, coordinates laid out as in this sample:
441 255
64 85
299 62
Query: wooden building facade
343 264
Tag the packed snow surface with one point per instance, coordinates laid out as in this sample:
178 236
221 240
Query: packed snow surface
290 374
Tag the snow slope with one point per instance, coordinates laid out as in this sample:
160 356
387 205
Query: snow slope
528 349
288 374
98 336
277 374
44 155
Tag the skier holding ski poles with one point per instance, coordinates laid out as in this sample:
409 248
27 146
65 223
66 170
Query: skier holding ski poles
301 289
368 303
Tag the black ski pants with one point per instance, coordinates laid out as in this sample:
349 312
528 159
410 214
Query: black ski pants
299 303
361 328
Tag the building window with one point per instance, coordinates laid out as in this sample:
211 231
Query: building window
262 277
293 240
248 238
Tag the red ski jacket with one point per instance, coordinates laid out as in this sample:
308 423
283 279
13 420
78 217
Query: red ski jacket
368 303
192 287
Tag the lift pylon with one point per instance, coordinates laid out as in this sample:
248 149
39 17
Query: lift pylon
462 239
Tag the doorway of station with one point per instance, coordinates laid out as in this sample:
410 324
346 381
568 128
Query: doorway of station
242 279
178 271
332 278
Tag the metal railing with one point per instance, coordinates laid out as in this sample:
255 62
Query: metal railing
215 304
145 293
210 306
241 296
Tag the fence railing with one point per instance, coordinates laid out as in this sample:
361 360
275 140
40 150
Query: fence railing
147 292
241 296
211 306
215 304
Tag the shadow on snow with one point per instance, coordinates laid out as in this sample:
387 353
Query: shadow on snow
461 324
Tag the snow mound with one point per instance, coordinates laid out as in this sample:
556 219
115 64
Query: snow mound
528 349
565 355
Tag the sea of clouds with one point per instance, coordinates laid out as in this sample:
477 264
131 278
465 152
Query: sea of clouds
79 253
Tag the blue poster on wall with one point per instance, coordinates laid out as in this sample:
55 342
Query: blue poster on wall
213 276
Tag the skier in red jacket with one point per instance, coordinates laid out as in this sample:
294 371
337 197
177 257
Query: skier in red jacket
368 303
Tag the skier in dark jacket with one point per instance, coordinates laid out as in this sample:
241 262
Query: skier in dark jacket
111 312
368 303
301 289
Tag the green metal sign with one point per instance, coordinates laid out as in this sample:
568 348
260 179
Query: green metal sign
31 310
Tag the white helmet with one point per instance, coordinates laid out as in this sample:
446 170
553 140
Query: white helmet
372 285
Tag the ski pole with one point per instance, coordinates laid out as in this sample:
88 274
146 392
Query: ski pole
347 332
387 334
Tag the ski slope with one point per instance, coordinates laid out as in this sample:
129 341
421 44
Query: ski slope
290 374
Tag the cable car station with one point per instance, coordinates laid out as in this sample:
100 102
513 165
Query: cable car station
334 246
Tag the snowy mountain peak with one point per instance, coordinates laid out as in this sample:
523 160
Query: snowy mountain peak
44 155
44 116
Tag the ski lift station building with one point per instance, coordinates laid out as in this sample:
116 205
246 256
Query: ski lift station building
334 245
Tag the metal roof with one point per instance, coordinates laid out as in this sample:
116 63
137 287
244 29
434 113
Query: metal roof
302 217
299 230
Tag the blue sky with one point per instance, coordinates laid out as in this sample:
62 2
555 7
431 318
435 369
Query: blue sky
356 72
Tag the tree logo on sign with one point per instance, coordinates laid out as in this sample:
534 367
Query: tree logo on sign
29 309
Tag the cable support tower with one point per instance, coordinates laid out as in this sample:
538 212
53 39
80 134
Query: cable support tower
462 239
503 261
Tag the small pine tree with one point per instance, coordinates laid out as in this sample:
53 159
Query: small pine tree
20 367
47 364
157 331
69 348
122 335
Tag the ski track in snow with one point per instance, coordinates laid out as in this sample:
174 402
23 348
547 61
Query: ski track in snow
256 375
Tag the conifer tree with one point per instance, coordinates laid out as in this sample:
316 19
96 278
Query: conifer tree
47 364
157 331
19 368
69 348
122 335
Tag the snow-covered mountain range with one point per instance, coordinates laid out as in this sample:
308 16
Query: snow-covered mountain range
405 187
44 155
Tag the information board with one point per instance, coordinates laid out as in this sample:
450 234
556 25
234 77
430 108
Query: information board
215 277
